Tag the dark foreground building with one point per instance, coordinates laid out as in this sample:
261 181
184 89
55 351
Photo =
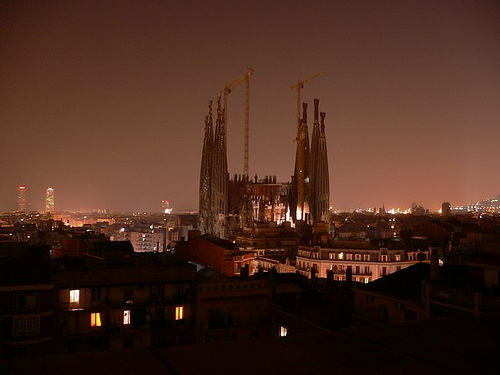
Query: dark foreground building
27 300
456 345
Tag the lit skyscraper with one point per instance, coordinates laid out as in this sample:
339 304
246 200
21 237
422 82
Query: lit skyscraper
49 201
21 198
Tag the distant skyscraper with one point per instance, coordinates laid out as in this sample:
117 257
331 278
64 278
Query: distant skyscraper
49 201
21 198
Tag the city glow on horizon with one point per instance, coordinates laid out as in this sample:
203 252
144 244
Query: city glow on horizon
397 127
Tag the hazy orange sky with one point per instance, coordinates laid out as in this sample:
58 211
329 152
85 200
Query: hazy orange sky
104 100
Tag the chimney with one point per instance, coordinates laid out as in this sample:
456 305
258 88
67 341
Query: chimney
329 277
245 271
348 274
434 263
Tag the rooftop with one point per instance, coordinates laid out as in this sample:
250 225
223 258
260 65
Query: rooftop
455 345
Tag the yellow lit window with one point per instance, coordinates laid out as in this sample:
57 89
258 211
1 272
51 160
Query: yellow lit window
74 296
95 319
126 317
179 312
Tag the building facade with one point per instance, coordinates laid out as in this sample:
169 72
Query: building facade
365 265
217 253
27 300
231 309
123 301
147 239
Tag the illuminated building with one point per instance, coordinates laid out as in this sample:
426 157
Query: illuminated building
21 198
301 177
49 201
147 238
240 202
364 265
311 192
258 201
491 206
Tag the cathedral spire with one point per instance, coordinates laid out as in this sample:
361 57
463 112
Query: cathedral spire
205 190
301 175
220 177
320 191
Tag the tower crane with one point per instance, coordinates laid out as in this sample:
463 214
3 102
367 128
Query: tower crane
299 86
225 93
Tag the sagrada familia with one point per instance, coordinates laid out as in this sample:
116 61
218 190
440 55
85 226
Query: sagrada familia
241 201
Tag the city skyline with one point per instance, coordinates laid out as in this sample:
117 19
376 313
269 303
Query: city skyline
105 102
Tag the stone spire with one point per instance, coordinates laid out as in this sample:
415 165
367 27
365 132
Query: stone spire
320 185
302 166
220 177
205 193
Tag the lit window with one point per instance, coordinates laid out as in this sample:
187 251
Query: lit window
126 317
74 296
95 319
179 312
283 331
341 256
398 258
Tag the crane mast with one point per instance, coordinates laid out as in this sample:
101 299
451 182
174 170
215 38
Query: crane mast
299 86
247 124
226 91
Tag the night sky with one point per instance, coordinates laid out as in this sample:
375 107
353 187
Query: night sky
105 100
